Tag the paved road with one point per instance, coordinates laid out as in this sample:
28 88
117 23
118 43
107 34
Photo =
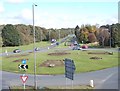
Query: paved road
103 79
41 49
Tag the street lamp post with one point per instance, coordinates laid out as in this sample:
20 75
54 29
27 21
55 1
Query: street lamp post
41 35
35 82
49 35
110 35
59 35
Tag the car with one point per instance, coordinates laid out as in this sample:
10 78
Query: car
16 50
37 49
57 43
84 47
53 40
76 48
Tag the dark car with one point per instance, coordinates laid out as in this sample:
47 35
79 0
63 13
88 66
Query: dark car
16 50
57 43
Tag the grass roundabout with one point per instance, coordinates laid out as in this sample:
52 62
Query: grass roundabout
82 60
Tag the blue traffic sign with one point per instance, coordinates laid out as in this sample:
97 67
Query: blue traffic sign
69 68
24 61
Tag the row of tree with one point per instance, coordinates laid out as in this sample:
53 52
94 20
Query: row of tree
20 34
106 35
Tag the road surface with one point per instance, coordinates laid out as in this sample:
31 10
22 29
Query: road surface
103 79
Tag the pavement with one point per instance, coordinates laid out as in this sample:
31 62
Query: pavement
103 79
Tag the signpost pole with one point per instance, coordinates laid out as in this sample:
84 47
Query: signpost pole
66 83
24 86
72 84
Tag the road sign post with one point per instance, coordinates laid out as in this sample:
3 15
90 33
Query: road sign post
69 70
23 66
24 79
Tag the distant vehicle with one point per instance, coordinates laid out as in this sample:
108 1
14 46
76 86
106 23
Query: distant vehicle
76 48
57 43
36 49
75 43
53 40
84 46
16 50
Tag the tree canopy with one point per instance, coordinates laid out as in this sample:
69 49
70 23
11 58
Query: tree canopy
10 36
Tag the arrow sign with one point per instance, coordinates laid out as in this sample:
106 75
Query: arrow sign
24 78
23 66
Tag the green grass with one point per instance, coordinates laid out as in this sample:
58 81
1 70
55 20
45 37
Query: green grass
25 47
81 58
17 88
70 87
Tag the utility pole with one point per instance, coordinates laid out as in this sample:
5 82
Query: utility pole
35 82
59 35
110 35
49 35
41 35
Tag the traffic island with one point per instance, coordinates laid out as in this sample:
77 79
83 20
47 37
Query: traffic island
108 53
96 58
52 63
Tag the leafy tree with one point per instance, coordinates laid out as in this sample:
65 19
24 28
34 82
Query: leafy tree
104 37
10 36
115 34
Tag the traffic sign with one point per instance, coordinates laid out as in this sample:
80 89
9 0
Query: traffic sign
23 66
24 61
69 75
69 68
24 78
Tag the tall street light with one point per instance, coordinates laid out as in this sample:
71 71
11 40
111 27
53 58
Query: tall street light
59 35
49 35
35 82
110 35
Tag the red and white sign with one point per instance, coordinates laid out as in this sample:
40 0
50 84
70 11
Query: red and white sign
24 78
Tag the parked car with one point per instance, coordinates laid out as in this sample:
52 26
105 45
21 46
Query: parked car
16 50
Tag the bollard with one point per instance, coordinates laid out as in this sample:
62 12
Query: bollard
91 83
6 52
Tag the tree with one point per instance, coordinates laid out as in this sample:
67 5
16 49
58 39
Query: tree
103 37
10 36
115 33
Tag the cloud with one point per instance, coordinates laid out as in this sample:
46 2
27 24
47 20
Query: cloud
56 20
74 0
1 7
16 1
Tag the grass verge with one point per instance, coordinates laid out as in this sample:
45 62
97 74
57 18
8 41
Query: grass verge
81 59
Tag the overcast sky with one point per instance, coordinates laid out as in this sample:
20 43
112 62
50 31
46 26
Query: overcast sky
59 13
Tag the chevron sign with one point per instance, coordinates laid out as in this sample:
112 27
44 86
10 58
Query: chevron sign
23 66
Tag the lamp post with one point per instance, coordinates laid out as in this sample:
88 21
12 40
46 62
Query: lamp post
49 35
35 82
110 35
41 35
59 35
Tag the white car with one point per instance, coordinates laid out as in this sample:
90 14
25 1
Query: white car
16 50
36 49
